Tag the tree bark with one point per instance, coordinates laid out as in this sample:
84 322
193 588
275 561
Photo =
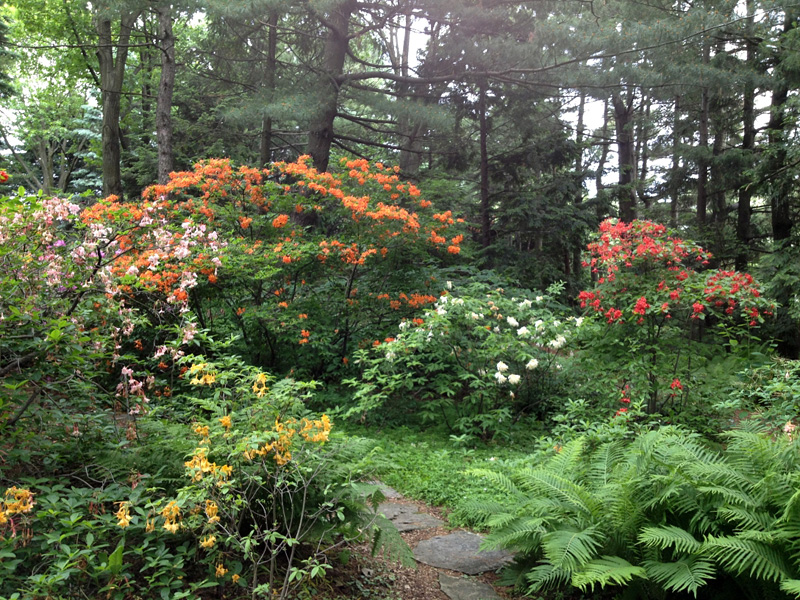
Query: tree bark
320 131
702 163
486 217
166 86
112 71
744 208
265 147
782 224
674 183
623 119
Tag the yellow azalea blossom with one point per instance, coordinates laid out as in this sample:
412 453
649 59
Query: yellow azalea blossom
208 541
197 368
201 430
221 570
226 422
22 500
172 526
3 518
225 471
235 578
260 386
211 511
123 514
151 526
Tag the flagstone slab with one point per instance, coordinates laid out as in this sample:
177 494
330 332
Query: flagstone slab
460 551
460 588
406 517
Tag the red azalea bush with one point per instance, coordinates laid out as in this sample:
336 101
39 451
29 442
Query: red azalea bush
652 291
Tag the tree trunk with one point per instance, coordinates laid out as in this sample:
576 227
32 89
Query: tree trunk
320 131
166 85
623 119
601 162
744 209
486 217
674 183
781 184
112 71
702 163
265 147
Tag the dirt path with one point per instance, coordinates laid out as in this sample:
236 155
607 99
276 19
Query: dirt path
449 564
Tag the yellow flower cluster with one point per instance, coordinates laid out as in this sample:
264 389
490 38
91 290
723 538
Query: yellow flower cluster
18 500
123 514
260 386
172 516
211 511
201 377
201 465
312 431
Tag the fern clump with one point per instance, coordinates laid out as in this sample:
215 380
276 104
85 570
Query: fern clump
661 515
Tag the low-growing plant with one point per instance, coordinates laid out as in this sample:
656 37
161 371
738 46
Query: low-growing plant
662 514
477 360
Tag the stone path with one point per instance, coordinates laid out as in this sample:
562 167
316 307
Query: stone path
455 552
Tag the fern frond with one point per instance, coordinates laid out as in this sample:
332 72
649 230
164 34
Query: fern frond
482 511
741 555
565 549
605 461
606 570
791 586
746 518
555 486
545 577
685 575
386 540
669 536
570 459
523 534
499 480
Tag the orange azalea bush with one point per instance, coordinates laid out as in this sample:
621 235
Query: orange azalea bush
305 266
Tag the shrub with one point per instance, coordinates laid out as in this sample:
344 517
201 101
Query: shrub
480 358
304 266
660 316
268 495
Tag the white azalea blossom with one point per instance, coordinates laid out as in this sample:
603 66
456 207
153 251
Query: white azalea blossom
532 364
522 331
539 324
449 285
512 321
539 298
502 367
513 379
558 342
500 377
525 303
